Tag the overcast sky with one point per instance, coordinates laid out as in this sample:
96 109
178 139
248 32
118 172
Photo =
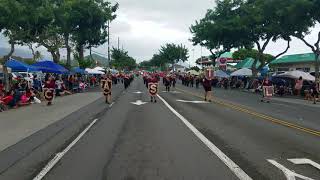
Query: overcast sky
144 25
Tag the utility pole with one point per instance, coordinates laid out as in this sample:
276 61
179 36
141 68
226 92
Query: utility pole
119 43
109 57
192 57
201 59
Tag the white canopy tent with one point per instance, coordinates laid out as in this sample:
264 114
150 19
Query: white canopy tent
93 71
221 74
98 68
297 75
242 72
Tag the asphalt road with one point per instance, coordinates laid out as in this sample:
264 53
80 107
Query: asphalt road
150 141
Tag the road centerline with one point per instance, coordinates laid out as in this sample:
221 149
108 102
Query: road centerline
260 115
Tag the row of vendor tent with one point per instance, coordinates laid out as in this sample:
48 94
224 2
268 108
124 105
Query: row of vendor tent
43 66
51 67
19 66
289 74
219 73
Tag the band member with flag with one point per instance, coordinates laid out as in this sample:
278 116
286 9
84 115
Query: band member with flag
49 89
153 86
267 90
106 85
207 84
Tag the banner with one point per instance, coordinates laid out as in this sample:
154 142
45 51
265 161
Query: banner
48 94
267 91
153 88
209 73
106 85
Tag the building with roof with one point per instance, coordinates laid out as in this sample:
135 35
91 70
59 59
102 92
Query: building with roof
247 63
223 60
302 62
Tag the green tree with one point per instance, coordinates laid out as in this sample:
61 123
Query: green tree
220 30
15 21
242 54
304 15
196 68
172 53
242 24
121 60
84 63
90 19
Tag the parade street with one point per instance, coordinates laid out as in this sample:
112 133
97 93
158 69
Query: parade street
179 137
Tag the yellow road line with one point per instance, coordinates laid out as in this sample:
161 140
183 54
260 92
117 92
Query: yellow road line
256 114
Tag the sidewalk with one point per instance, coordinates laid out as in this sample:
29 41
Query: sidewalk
17 124
285 99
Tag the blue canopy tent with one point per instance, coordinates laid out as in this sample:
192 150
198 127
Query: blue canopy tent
18 66
50 67
221 74
78 70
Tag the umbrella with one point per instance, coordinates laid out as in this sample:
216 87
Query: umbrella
19 66
221 74
242 72
297 75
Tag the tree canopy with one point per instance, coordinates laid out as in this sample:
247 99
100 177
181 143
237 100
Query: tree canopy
246 24
168 54
121 60
172 53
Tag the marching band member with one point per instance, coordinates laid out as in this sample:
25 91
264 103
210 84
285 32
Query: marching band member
167 82
267 89
49 89
153 87
207 84
106 85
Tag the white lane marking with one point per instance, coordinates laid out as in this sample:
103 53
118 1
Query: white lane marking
305 161
224 158
139 103
290 175
59 156
138 92
111 104
173 92
195 102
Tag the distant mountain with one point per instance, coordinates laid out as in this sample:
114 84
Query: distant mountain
17 52
100 61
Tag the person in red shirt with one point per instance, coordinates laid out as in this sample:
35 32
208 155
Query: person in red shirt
207 88
153 87
7 100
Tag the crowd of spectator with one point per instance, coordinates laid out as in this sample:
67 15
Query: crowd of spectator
23 92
